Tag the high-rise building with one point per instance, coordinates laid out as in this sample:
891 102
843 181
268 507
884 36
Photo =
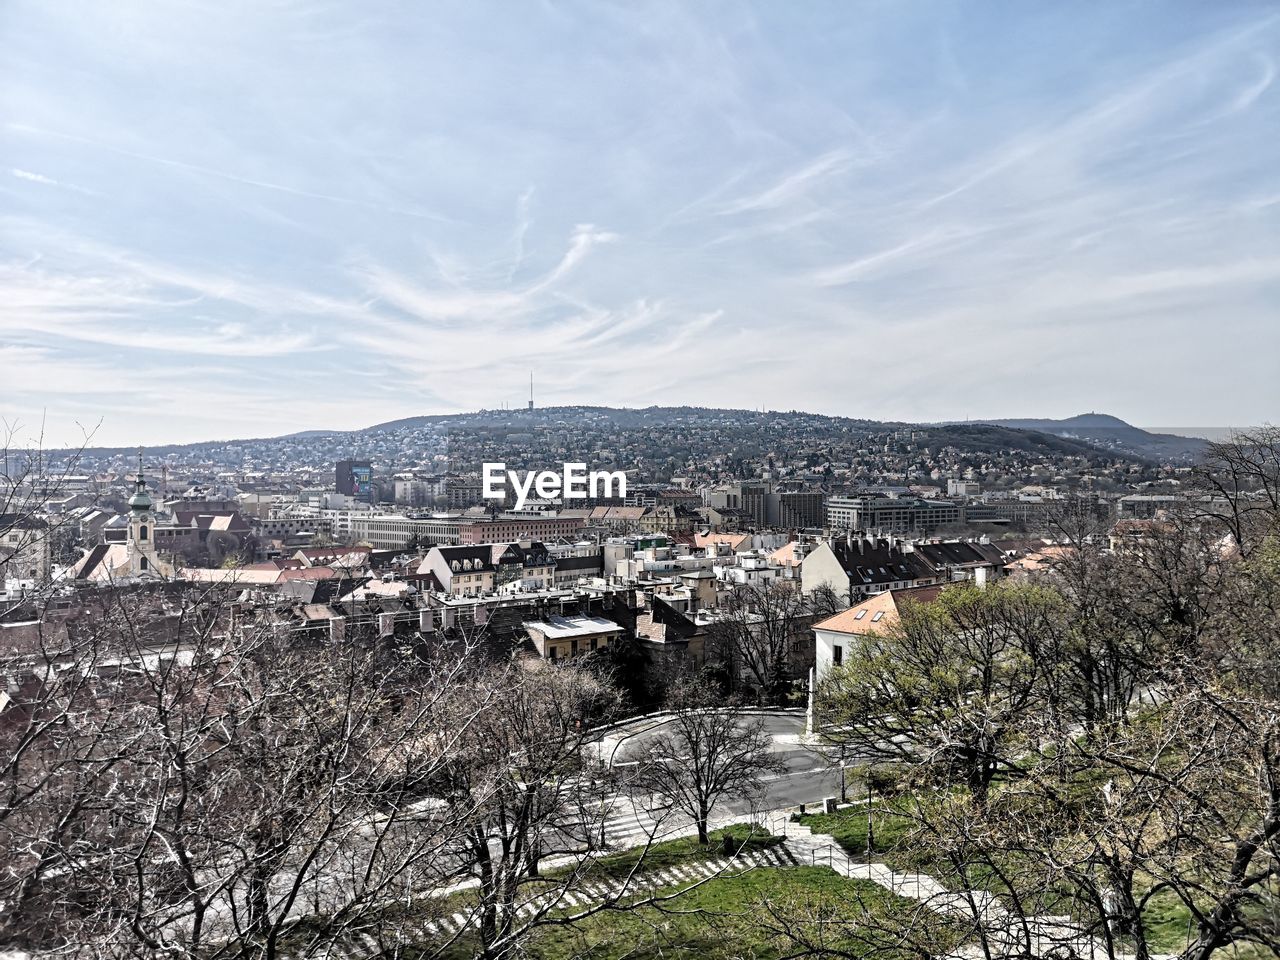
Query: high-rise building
354 478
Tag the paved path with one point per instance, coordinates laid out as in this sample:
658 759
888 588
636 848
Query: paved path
1007 935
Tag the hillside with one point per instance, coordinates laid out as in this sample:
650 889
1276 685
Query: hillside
659 441
1112 433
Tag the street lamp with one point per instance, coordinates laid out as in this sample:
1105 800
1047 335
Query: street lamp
869 835
843 789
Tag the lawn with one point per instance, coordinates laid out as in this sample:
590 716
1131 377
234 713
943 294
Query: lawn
745 838
719 920
889 824
669 853
1165 916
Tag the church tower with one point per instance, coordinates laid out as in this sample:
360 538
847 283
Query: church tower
142 526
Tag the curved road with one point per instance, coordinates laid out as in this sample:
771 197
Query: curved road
811 776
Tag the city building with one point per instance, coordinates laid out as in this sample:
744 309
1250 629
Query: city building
474 570
556 637
139 555
504 529
856 566
354 479
25 551
906 515
396 531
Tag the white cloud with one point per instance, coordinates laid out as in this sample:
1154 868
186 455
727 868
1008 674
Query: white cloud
47 181
648 204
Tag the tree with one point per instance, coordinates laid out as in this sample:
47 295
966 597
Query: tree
30 480
948 685
193 786
1243 475
824 602
522 786
1128 710
763 636
707 753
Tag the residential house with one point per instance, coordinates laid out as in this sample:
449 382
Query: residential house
485 568
834 636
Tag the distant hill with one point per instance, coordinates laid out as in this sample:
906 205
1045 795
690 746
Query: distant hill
641 437
968 437
1112 433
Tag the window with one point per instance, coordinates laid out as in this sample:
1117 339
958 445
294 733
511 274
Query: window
144 563
837 655
551 651
860 614
142 532
876 617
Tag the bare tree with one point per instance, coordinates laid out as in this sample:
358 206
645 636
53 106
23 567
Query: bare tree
707 753
206 789
824 602
763 637
30 481
1244 476
522 786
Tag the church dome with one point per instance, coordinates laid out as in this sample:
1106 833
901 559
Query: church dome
141 500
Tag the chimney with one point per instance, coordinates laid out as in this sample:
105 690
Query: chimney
426 621
386 624
980 577
337 629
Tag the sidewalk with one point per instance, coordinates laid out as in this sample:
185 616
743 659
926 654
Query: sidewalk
1008 935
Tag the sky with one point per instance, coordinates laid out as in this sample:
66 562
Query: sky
224 219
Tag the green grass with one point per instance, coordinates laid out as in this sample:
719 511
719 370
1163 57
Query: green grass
1165 919
719 920
618 866
848 827
745 839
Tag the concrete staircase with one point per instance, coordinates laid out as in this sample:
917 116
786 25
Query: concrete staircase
583 896
1007 936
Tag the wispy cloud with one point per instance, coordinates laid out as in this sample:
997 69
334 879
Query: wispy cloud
647 203
1249 95
40 178
205 171
795 184
933 241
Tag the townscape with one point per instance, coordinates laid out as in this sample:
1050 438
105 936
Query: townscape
352 708
640 480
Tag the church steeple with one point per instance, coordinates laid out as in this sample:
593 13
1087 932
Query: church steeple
140 502
143 558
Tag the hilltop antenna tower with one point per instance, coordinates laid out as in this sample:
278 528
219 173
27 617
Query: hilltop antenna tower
531 391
